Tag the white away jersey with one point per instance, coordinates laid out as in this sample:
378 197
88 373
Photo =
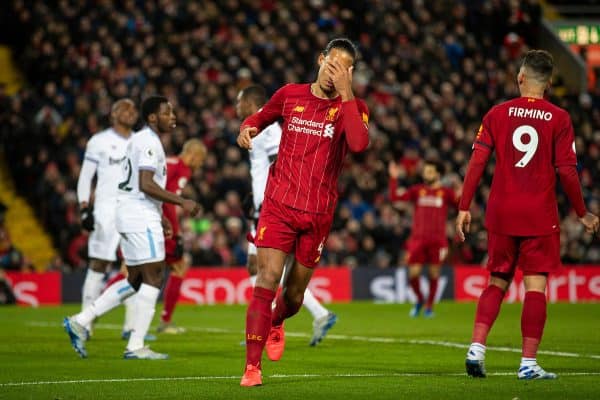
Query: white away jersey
135 210
264 147
106 150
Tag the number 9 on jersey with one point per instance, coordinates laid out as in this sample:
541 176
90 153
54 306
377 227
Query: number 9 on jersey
528 148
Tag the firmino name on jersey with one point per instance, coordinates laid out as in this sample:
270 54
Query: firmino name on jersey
521 112
310 127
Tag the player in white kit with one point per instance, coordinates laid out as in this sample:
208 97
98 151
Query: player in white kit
104 156
141 191
263 152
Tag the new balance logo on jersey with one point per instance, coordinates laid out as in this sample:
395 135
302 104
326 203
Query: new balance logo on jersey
298 109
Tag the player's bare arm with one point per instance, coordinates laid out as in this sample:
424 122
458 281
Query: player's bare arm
149 187
244 139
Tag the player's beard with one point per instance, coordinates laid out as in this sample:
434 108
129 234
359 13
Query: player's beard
327 91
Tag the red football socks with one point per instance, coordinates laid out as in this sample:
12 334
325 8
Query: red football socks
488 308
258 324
172 290
416 287
533 319
283 310
433 284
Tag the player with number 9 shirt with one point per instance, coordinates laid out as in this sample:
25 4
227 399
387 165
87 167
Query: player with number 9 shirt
532 139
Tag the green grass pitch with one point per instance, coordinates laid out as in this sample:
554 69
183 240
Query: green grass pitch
374 352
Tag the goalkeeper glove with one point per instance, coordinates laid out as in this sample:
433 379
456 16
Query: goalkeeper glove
87 218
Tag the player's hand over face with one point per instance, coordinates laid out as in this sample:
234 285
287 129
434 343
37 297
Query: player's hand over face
190 207
463 224
341 78
244 139
591 223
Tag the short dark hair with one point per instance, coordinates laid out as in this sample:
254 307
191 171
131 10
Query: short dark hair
342 44
256 94
438 164
540 62
151 105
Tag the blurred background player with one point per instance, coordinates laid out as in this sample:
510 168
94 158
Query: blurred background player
428 243
532 139
142 228
264 152
321 122
179 170
104 156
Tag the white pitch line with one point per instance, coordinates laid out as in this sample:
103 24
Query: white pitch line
356 339
275 376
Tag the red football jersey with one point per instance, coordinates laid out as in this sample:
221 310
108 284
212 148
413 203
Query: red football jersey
178 174
313 145
530 139
431 209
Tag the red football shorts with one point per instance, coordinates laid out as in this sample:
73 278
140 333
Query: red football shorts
533 255
170 257
290 230
427 251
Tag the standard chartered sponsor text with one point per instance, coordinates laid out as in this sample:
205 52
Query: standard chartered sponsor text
305 126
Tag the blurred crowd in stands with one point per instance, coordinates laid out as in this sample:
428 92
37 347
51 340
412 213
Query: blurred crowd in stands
429 70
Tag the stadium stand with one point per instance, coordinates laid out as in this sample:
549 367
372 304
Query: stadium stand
427 74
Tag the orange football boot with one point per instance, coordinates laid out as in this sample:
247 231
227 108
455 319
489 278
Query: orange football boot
275 343
252 376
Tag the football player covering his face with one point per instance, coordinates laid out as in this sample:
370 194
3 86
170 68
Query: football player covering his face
322 121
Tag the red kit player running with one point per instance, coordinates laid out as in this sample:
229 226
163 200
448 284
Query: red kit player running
428 243
179 171
321 122
532 139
